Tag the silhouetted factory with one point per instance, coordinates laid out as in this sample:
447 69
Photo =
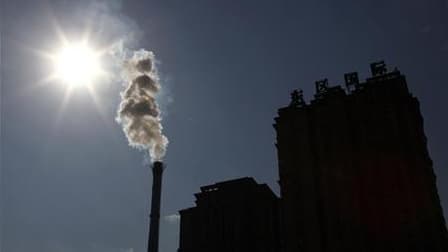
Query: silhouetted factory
236 215
355 175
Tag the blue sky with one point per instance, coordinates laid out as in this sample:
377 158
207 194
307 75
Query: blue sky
70 182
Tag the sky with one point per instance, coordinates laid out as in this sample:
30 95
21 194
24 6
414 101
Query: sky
69 180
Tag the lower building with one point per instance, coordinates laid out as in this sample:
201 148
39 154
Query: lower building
238 215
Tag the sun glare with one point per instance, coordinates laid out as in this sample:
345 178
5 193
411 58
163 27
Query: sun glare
77 65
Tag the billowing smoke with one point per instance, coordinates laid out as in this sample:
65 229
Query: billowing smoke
138 112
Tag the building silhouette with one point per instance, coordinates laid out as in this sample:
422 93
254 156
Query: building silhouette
355 173
238 215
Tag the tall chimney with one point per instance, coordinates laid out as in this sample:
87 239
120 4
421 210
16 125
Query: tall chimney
153 240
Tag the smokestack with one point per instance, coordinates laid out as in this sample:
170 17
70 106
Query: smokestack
153 240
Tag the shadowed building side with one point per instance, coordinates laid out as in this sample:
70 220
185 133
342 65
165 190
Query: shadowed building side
355 173
237 215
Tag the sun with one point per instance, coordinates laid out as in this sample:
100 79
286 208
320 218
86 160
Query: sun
77 64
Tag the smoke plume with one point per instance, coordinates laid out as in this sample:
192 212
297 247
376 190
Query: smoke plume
138 112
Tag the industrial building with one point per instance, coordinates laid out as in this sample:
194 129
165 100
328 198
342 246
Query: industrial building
355 175
238 215
355 172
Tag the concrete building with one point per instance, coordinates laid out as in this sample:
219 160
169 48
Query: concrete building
355 173
238 215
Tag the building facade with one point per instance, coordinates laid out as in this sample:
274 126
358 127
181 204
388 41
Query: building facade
237 215
355 173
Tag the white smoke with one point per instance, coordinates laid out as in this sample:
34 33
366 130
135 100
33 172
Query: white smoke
138 112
